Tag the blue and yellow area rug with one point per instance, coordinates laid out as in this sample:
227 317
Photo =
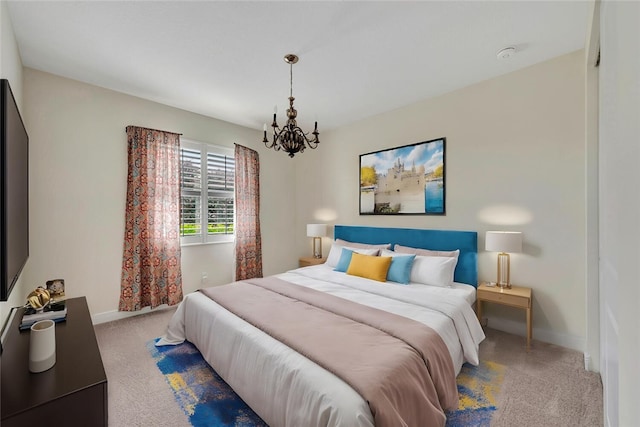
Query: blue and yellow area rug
210 402
478 388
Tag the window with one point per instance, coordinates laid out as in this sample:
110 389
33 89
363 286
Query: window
207 176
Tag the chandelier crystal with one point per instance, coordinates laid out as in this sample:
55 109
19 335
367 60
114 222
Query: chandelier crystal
290 138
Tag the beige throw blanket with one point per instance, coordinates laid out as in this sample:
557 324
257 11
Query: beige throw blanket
401 367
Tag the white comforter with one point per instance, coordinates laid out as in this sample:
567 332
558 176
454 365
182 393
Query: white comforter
285 388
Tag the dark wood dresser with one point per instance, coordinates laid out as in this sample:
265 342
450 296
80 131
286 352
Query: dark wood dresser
72 393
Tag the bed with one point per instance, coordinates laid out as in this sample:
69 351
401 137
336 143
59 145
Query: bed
286 388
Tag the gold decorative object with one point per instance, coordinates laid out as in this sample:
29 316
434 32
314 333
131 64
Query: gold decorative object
39 298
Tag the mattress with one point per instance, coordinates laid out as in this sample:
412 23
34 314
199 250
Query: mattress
285 388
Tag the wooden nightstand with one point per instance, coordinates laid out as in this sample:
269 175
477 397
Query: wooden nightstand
517 296
308 261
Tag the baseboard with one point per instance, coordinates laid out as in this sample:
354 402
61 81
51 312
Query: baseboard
110 316
520 328
587 361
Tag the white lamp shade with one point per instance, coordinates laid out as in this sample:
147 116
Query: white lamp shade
503 241
316 230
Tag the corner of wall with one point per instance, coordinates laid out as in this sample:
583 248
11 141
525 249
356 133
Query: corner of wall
10 61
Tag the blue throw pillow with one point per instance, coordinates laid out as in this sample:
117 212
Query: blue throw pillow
400 269
344 261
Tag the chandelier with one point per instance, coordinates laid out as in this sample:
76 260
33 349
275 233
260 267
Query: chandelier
290 138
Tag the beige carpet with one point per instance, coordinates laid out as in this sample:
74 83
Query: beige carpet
137 392
546 386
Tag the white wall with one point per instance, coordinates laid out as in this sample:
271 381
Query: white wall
78 188
11 69
620 210
515 159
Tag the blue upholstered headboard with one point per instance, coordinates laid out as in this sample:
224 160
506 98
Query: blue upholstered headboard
437 240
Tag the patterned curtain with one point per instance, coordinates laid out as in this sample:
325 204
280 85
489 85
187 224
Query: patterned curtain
151 273
247 227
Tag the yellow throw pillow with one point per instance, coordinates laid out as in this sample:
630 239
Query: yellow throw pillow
370 267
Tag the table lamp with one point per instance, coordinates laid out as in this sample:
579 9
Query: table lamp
503 242
317 231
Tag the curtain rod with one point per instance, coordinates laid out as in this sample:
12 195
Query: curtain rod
157 130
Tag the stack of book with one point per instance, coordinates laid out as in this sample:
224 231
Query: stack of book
55 311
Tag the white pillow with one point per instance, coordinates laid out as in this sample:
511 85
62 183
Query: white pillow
433 270
336 251
363 245
426 252
387 252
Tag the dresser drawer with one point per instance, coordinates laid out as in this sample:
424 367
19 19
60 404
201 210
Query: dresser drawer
514 300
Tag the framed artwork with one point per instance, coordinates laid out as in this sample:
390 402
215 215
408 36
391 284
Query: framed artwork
407 180
56 288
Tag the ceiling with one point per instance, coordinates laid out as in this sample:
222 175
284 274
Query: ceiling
224 59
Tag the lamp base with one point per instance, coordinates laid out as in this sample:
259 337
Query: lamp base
317 247
503 271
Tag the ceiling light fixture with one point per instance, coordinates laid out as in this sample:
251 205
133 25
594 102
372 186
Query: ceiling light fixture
291 138
506 53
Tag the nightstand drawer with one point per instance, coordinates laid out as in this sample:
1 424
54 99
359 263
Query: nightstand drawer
514 300
309 261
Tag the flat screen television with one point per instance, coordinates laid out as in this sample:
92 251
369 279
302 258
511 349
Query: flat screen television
14 164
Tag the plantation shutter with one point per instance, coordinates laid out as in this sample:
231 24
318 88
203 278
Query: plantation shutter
220 193
190 192
207 178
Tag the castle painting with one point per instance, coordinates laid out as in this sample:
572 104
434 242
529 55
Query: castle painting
404 180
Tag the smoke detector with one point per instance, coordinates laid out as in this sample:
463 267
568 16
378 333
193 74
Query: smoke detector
507 52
